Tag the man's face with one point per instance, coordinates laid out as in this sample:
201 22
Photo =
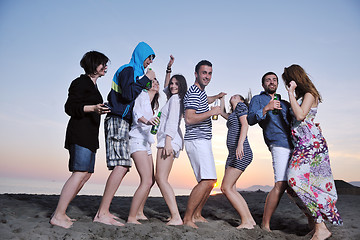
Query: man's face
270 84
203 76
148 61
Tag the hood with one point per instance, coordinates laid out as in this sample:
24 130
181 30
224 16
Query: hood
140 53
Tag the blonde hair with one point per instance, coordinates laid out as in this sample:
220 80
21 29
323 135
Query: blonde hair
300 77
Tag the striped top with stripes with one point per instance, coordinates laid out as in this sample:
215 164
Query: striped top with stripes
196 99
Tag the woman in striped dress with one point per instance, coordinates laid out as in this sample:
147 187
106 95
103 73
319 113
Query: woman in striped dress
240 156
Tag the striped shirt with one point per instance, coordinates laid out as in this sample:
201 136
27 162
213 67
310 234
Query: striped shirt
197 99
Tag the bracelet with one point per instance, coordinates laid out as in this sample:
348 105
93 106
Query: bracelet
168 70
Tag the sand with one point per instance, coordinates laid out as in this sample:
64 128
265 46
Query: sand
26 216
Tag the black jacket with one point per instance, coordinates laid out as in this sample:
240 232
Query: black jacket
83 128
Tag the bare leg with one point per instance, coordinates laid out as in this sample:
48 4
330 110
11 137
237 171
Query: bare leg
140 215
103 215
68 192
163 168
196 197
271 203
228 187
321 232
197 216
145 168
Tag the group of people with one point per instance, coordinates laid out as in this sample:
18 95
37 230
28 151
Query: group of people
299 151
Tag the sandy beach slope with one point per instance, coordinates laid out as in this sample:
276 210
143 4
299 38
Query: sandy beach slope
26 216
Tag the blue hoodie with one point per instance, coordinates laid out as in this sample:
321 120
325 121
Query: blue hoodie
126 85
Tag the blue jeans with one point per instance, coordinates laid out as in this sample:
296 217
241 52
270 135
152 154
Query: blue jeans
81 159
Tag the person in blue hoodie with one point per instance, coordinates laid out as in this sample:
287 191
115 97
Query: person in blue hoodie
128 82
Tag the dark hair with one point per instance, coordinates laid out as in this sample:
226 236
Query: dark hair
182 86
300 77
266 74
91 60
202 62
155 101
245 100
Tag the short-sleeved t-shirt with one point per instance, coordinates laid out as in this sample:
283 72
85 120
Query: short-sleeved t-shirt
196 99
234 125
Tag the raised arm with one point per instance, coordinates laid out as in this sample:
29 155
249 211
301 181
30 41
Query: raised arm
168 71
300 111
211 99
224 114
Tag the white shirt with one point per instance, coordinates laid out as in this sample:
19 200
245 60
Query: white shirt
170 123
142 108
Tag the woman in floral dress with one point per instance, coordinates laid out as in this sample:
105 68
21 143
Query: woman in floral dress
309 172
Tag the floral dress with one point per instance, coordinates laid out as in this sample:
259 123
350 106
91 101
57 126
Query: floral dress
309 172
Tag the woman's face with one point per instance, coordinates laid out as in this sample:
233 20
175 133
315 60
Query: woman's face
155 85
101 70
234 100
174 86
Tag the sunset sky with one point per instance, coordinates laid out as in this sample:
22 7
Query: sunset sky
42 42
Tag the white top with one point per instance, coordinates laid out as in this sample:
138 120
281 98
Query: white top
170 123
142 108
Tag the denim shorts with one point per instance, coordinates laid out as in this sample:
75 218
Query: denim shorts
81 159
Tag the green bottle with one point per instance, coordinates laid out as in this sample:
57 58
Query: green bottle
275 111
155 128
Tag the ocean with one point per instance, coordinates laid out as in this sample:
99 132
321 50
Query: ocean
49 187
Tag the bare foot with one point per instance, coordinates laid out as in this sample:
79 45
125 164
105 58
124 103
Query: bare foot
175 221
133 221
321 235
61 221
108 219
246 226
190 224
141 217
200 219
265 228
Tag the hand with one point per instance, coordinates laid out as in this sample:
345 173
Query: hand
171 61
240 151
221 94
153 121
167 150
150 74
216 110
292 86
101 109
273 104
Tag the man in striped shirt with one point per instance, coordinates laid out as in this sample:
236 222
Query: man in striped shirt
198 141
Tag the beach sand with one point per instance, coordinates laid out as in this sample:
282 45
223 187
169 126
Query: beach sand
26 216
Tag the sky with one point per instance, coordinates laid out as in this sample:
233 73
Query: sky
42 42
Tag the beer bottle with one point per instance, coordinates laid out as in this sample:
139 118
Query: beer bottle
215 117
155 128
276 111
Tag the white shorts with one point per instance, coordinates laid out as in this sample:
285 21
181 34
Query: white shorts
201 158
138 144
176 149
280 159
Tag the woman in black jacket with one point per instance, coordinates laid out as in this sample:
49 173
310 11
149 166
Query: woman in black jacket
84 106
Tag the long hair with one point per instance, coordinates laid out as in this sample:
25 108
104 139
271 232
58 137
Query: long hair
155 102
182 89
300 77
245 100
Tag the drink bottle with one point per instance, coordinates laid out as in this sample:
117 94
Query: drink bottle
215 117
276 111
148 84
155 128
